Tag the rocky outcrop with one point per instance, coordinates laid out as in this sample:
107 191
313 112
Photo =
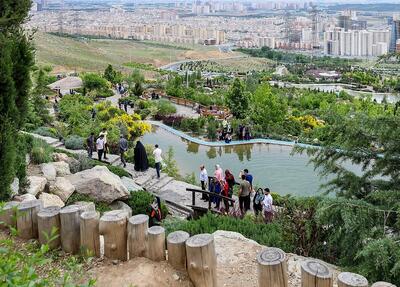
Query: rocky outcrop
49 171
37 184
130 184
237 264
60 157
24 197
63 188
99 184
121 205
51 200
62 168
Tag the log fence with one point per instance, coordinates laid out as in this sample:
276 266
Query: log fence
75 229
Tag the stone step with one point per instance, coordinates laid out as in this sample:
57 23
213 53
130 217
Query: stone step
147 185
144 178
57 144
159 185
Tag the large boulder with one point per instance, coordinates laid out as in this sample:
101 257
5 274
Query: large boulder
37 184
63 188
60 157
116 205
49 171
50 200
100 184
130 184
14 187
24 197
62 168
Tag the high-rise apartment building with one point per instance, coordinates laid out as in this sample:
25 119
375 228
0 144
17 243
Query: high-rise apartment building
395 33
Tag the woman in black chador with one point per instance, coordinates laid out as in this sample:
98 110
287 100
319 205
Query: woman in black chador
140 157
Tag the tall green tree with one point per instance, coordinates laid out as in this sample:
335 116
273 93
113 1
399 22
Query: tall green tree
238 100
39 112
16 61
267 108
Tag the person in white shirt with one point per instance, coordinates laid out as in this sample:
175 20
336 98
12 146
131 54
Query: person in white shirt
267 206
104 133
158 159
100 144
203 181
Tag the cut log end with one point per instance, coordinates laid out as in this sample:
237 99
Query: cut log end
347 279
49 211
138 219
156 230
271 256
90 215
316 268
114 215
382 284
70 209
178 237
199 240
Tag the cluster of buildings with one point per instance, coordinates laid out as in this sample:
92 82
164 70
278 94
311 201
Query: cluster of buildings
352 38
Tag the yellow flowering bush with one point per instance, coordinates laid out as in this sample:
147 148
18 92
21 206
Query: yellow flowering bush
308 122
131 125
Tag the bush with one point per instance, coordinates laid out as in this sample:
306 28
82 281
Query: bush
140 202
172 121
164 108
265 234
41 152
75 142
100 206
46 132
118 171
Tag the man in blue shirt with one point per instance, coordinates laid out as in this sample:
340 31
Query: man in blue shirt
249 177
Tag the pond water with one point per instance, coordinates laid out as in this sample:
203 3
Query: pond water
272 166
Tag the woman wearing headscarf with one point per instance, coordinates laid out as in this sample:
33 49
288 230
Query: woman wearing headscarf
230 179
140 157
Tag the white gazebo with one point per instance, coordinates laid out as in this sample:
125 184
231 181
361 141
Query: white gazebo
66 85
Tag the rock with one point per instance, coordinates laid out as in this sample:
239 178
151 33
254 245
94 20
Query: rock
62 168
27 159
60 157
175 276
14 187
51 200
24 197
100 184
74 165
85 206
37 184
121 205
130 184
63 188
49 171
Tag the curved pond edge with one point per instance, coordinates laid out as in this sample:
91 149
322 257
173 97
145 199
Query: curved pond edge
232 143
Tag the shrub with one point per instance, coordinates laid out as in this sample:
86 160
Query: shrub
173 121
100 206
118 171
75 142
46 132
140 202
41 152
265 234
164 108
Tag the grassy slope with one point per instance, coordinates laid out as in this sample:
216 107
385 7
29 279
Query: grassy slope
68 54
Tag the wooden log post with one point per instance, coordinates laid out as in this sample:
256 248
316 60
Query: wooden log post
137 235
8 215
347 279
70 229
156 243
315 273
49 226
27 224
113 227
89 232
177 249
201 260
272 268
382 284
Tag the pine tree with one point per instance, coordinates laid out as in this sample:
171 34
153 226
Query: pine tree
16 60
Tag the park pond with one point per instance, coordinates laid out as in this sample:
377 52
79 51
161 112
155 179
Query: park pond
272 166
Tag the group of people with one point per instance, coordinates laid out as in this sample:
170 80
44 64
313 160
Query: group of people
223 182
225 134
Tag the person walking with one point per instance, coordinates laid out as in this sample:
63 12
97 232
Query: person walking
267 206
158 159
100 145
218 174
258 201
203 181
104 133
126 106
230 180
249 177
244 195
140 157
123 148
90 143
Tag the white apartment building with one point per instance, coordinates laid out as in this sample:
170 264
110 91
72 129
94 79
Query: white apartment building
356 43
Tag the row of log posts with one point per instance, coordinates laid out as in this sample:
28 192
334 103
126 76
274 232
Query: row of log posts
79 226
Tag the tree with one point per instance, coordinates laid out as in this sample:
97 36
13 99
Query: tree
112 75
39 105
267 108
16 61
138 89
93 81
238 100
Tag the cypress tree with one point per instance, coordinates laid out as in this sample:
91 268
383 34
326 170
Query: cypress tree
16 61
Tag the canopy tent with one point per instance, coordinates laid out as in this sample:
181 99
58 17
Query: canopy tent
67 83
